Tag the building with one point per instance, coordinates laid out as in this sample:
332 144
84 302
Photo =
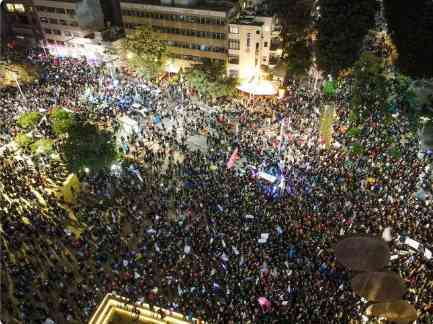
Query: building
20 24
116 310
194 31
72 28
253 43
199 31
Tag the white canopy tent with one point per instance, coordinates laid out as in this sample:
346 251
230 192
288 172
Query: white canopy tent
259 88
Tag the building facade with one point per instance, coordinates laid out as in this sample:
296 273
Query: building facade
253 43
20 24
64 36
195 31
199 31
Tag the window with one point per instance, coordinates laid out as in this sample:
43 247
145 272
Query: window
248 40
53 21
61 43
62 22
50 41
264 59
70 12
76 34
257 46
60 11
234 59
258 32
18 7
234 44
234 30
74 24
47 31
51 9
66 33
233 73
57 32
44 20
40 8
265 44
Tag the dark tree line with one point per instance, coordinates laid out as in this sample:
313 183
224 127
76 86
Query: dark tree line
296 22
411 28
342 27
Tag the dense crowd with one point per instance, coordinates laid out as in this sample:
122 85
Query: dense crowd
190 234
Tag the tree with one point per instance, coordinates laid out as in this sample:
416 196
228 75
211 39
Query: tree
341 28
370 83
61 120
296 20
210 80
294 16
29 119
298 57
411 29
145 52
88 147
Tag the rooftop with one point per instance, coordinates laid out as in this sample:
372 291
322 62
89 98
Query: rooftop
116 310
200 5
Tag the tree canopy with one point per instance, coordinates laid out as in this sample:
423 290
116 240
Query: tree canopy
341 29
88 146
210 80
411 28
145 52
370 83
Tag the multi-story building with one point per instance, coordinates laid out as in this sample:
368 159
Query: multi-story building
20 25
63 34
253 42
193 31
198 31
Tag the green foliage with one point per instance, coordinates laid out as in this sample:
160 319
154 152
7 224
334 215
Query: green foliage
210 80
23 140
370 83
88 146
411 28
329 89
29 119
294 15
42 146
357 149
341 28
354 132
146 53
298 57
62 120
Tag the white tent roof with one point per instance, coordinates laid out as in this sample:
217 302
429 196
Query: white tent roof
259 88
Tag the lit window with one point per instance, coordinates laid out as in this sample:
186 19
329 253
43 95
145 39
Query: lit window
17 7
234 30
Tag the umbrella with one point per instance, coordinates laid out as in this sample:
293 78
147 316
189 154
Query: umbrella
363 253
399 310
379 286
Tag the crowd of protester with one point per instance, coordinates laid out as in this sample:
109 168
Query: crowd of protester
192 235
